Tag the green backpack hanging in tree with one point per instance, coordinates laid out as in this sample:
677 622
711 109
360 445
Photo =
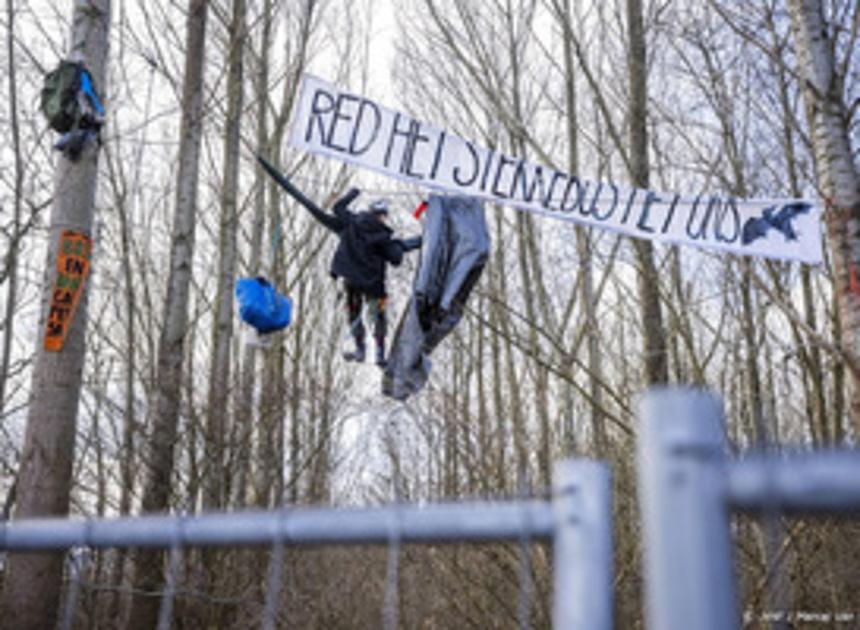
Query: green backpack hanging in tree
59 101
72 107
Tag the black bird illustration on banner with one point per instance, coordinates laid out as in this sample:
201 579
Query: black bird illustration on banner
757 227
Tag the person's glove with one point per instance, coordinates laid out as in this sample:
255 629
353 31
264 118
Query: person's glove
411 243
343 202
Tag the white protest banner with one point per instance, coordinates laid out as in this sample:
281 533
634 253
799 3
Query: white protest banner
349 127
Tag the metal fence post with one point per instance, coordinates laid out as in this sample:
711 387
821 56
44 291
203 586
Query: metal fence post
682 463
582 546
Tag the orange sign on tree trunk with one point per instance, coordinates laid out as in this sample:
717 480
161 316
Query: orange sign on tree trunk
73 265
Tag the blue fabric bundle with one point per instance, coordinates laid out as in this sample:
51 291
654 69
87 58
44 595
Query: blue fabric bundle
89 90
261 306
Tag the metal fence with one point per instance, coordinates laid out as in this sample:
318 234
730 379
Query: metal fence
577 521
688 488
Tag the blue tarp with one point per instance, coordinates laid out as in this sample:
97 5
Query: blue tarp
261 306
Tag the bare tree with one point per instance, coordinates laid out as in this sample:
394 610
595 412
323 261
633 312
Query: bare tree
32 588
656 354
809 352
165 413
829 114
219 374
215 473
243 422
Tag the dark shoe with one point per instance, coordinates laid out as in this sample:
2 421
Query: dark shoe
380 357
355 355
72 143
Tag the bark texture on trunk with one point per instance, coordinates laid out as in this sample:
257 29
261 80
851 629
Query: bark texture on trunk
838 178
33 582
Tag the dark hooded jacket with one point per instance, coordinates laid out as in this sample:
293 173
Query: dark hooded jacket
365 242
364 249
366 245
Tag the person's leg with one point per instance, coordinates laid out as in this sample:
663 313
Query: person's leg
356 326
379 328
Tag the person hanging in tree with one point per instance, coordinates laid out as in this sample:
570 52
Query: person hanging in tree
365 250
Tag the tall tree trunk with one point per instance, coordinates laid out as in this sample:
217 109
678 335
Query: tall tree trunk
294 400
838 177
656 353
500 412
811 352
270 437
33 581
244 406
222 337
215 472
269 456
754 403
159 460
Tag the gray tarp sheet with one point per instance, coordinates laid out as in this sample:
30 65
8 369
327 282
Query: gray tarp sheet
455 249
